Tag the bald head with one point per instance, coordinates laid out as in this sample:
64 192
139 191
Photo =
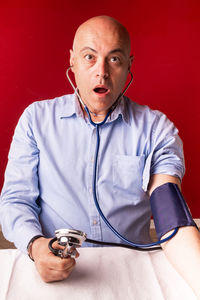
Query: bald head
100 60
100 26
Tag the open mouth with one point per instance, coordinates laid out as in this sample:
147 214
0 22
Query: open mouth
101 90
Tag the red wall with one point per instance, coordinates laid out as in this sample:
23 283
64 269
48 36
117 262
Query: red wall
34 53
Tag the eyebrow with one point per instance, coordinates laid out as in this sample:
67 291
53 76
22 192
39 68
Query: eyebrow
95 51
88 48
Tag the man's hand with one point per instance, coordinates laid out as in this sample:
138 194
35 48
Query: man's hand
51 267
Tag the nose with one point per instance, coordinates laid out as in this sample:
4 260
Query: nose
102 69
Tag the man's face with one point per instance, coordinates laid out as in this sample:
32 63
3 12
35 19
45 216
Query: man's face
101 62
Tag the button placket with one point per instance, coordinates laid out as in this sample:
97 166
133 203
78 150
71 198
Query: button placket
94 215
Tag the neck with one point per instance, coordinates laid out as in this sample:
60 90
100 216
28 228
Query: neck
96 117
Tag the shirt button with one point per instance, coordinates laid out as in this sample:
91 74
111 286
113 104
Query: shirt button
94 222
90 190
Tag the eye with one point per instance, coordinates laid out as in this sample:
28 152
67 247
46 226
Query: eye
89 57
115 59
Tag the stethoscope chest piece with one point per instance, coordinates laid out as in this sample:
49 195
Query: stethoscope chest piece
69 239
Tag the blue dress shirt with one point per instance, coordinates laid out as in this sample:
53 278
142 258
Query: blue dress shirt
48 179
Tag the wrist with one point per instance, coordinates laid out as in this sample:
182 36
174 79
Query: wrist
30 246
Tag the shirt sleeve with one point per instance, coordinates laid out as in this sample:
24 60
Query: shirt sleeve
166 153
19 210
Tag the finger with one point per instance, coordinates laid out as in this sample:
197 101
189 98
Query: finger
55 275
57 246
77 254
57 263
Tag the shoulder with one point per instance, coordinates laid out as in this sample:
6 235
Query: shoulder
49 108
138 110
57 103
44 111
143 115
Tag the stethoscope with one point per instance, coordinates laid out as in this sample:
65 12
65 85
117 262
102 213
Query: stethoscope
75 238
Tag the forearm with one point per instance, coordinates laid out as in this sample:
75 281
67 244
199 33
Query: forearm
183 251
19 222
19 211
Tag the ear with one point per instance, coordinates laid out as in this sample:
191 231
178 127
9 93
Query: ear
130 62
71 60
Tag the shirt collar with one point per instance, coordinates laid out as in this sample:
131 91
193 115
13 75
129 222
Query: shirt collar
120 110
73 107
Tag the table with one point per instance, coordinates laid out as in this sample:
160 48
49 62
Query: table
100 274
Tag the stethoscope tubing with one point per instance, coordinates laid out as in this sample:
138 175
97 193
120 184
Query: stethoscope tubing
129 244
135 245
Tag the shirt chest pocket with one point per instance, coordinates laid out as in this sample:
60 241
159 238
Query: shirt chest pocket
128 176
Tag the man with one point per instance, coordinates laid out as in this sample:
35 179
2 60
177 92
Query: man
48 181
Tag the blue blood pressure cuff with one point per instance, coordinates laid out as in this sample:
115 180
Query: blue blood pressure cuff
169 209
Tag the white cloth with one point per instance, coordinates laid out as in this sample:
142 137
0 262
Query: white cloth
100 274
